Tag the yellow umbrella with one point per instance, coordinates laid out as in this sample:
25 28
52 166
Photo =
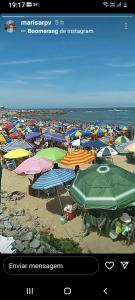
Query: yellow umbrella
78 134
18 128
104 130
18 153
2 139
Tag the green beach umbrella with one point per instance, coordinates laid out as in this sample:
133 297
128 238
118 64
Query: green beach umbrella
52 153
103 187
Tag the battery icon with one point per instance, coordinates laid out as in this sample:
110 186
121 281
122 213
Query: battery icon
29 4
125 4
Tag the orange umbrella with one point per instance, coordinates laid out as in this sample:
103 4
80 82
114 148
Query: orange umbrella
78 157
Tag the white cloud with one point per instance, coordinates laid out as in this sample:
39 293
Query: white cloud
57 72
21 62
18 81
122 65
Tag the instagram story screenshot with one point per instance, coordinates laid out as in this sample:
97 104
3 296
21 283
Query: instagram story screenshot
67 149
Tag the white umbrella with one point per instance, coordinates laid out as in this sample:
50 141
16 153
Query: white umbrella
76 143
107 151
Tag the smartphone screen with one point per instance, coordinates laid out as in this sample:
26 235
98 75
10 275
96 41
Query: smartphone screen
67 111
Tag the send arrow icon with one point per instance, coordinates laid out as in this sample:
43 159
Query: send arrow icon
124 264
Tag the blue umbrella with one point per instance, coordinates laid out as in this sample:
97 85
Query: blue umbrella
47 136
94 144
53 178
32 135
71 132
58 137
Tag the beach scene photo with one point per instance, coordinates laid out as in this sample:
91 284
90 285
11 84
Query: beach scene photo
67 134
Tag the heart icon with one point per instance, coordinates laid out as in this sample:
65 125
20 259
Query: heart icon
109 265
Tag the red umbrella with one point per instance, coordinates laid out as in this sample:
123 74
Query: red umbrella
7 126
31 122
16 135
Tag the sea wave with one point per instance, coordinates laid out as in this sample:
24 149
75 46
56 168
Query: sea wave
120 110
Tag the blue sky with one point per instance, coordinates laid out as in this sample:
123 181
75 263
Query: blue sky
57 71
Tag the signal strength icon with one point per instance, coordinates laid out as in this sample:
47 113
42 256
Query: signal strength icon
124 264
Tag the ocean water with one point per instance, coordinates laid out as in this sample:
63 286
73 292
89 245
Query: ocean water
107 115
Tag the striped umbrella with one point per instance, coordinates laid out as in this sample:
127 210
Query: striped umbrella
107 151
53 178
77 157
17 145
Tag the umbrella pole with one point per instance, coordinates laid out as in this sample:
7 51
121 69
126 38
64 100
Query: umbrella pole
59 200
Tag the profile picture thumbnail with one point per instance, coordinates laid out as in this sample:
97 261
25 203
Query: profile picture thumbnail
10 26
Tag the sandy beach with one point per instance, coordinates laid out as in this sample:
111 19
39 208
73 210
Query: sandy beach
47 212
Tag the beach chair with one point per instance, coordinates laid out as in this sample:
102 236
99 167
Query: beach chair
11 165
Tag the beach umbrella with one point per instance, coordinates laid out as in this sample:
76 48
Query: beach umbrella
87 132
54 178
107 151
18 153
122 140
76 143
31 122
47 136
4 139
71 132
16 135
58 137
130 148
26 130
18 144
14 129
34 165
78 134
94 144
32 135
52 153
99 131
77 157
103 187
121 149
